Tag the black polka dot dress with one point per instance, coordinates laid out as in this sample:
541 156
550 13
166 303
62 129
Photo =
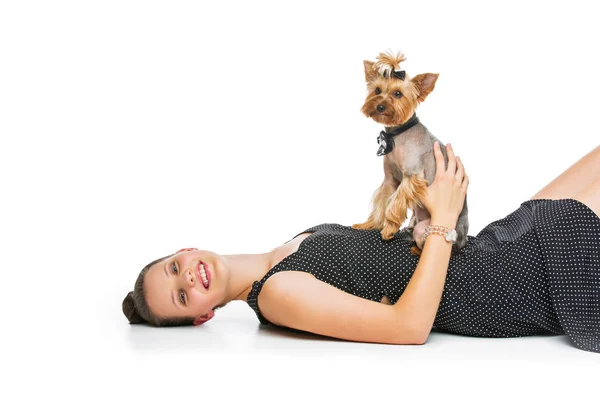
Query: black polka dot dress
536 271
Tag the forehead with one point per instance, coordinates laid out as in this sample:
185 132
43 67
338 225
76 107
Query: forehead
391 83
158 290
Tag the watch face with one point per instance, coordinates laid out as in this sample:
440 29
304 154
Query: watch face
451 236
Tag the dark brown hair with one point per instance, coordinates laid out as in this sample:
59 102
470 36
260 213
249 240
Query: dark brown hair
136 308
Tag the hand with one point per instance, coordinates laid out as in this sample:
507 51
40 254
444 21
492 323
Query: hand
446 195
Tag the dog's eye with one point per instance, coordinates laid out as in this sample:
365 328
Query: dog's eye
398 94
377 91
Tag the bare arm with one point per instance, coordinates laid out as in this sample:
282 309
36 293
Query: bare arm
445 199
298 300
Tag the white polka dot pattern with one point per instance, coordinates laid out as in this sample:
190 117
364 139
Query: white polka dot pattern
534 272
569 235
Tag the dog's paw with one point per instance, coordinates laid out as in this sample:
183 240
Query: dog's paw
365 226
388 232
416 251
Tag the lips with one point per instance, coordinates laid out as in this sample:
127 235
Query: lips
203 274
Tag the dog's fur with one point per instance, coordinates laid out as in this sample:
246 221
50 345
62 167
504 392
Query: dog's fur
410 167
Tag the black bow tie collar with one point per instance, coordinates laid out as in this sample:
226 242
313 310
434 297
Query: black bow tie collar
386 139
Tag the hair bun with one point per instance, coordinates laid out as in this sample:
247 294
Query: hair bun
130 311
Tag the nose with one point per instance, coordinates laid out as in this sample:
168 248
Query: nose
381 108
189 277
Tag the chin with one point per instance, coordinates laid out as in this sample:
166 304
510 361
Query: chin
384 120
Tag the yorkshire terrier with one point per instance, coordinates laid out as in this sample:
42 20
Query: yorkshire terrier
407 147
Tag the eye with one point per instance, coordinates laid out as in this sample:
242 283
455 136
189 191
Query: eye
174 268
182 297
377 91
398 94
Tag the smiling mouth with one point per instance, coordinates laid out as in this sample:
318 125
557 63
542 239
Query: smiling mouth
203 274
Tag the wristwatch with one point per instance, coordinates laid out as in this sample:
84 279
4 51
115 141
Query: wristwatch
449 234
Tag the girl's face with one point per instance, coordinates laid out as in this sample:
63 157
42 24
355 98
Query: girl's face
189 284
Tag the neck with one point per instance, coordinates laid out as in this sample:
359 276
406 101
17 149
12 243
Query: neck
243 270
386 139
398 129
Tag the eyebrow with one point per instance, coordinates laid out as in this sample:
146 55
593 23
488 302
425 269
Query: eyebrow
173 299
172 292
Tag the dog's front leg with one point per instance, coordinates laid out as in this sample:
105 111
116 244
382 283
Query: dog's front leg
380 199
408 195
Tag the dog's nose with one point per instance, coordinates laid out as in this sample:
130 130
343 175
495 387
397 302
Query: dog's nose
380 108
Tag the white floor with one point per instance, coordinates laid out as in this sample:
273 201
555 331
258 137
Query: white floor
234 354
131 129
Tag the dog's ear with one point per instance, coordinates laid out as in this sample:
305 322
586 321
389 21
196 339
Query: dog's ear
425 84
370 73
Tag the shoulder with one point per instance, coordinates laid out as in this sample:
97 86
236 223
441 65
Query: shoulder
300 301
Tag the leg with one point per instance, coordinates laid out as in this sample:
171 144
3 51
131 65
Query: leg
408 195
590 196
575 179
380 201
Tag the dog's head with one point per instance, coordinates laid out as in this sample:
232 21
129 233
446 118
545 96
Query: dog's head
392 97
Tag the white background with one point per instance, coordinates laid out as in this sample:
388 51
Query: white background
130 129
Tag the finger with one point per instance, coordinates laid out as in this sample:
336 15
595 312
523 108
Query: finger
451 159
460 170
440 164
465 183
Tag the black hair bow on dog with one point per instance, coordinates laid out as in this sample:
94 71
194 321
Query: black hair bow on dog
399 75
396 74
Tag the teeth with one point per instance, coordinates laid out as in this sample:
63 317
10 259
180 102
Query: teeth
203 275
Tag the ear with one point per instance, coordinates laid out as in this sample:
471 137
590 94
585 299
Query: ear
186 249
425 84
370 73
204 317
